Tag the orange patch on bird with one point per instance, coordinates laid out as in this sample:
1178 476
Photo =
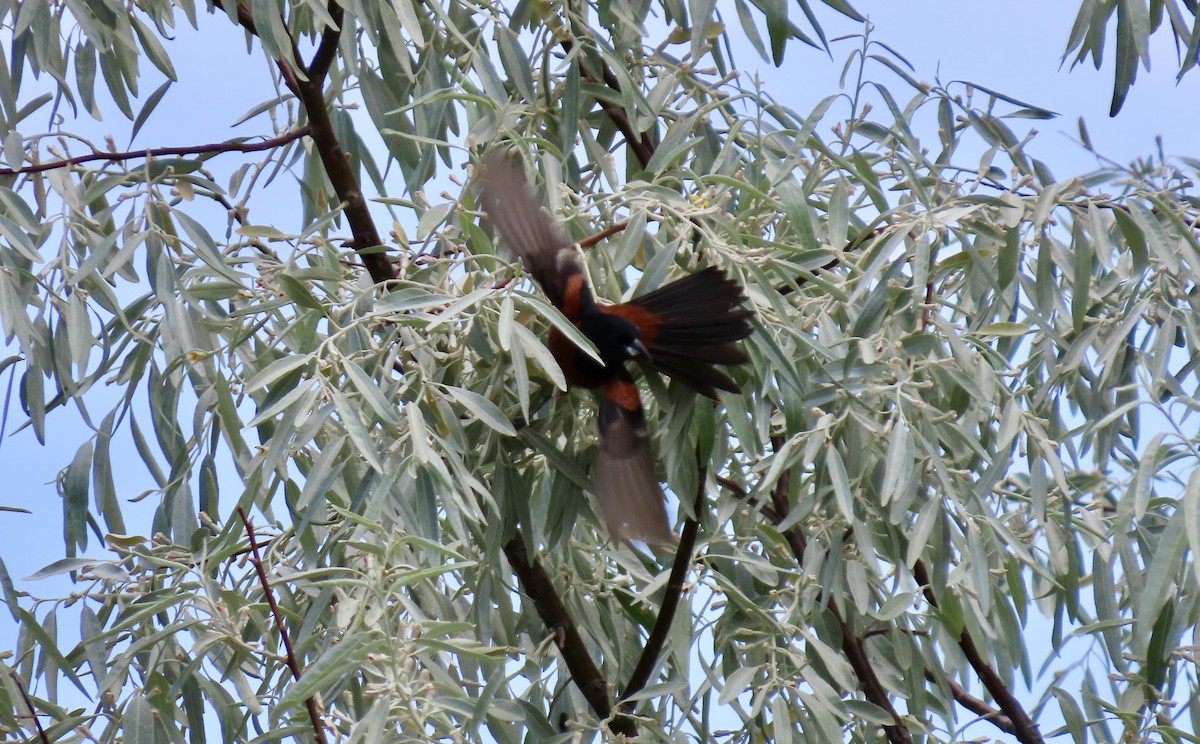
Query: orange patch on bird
646 321
624 394
573 297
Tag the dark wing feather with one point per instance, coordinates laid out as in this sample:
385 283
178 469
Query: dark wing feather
631 500
526 226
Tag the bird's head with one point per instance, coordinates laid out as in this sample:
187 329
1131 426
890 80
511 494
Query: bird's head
617 339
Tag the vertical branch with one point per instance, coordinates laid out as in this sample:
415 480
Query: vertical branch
314 714
536 584
333 158
1023 726
670 603
318 68
638 142
29 704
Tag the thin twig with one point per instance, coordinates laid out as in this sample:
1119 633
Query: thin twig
753 501
1023 726
29 704
158 152
536 584
670 603
314 714
925 309
609 231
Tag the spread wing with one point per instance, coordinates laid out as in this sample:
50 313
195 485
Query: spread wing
528 229
631 501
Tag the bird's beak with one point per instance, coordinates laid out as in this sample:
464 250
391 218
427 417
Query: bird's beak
638 351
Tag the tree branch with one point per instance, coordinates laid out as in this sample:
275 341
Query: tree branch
215 148
536 584
311 93
670 603
1023 726
326 52
607 232
37 725
852 645
974 704
638 142
314 714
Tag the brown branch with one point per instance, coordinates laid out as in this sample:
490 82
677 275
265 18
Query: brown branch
925 310
609 231
345 184
314 715
851 245
29 704
753 501
670 603
326 52
536 584
1023 726
974 704
335 160
639 142
157 152
852 645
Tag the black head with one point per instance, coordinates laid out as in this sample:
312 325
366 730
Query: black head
618 340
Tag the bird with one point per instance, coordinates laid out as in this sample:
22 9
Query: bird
682 329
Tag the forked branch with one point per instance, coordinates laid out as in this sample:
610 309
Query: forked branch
536 584
1022 726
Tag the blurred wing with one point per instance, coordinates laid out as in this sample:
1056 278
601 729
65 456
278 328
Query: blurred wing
527 227
631 500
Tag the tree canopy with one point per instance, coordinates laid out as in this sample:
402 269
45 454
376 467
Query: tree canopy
958 496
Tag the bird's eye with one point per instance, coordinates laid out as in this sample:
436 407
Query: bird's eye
635 349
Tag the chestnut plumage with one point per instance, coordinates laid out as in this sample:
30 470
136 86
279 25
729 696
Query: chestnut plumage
682 329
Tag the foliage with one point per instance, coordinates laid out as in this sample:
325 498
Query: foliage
964 426
1134 23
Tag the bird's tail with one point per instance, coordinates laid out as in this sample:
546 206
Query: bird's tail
692 324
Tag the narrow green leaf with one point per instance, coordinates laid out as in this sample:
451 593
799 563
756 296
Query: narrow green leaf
277 369
515 63
794 203
334 665
1160 576
75 498
736 683
357 430
139 721
1072 715
1081 286
61 566
841 483
371 393
778 29
535 348
406 11
483 409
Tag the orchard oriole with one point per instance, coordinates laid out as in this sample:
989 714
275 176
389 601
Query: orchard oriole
681 329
